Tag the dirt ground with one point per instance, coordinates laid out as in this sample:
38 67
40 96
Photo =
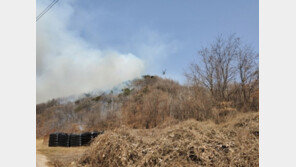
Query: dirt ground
52 156
41 160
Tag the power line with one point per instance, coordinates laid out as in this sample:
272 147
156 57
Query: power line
46 9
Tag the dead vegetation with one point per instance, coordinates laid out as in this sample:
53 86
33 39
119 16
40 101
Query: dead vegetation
189 143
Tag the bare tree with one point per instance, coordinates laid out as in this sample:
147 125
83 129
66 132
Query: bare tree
217 67
248 71
229 70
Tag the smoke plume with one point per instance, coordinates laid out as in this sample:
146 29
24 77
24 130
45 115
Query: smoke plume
67 65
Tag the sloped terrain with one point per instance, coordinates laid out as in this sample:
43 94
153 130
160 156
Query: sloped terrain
188 143
155 122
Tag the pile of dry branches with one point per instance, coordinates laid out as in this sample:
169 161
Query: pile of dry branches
189 143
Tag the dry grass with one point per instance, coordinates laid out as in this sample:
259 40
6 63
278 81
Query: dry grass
188 143
157 123
59 156
150 102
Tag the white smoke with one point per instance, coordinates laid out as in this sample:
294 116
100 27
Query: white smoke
66 65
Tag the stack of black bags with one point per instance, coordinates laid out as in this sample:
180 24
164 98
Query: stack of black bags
72 140
63 139
53 140
75 140
86 138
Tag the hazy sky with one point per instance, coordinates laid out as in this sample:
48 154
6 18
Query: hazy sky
181 25
161 34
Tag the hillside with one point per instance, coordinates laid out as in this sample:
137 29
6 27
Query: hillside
156 121
145 103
